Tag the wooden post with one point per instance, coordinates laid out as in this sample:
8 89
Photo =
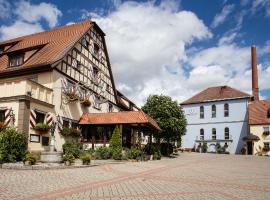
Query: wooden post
104 140
93 142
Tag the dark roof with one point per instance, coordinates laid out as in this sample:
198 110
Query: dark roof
216 93
126 117
52 45
251 137
258 112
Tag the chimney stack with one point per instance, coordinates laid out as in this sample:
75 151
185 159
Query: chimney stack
255 85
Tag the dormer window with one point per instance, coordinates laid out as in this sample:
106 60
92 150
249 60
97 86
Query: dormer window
96 49
16 60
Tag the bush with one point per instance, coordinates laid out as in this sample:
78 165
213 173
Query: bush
69 157
116 140
166 149
32 158
218 148
103 153
13 145
73 147
86 158
117 153
71 132
42 127
204 147
152 149
132 153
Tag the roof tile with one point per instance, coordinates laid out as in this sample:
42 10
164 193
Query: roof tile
258 112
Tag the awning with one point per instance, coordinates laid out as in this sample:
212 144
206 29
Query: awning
251 137
125 117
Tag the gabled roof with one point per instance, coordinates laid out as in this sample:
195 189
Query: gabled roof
52 44
257 112
126 117
216 94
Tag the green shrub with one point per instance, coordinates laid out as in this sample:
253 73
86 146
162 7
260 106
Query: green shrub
42 127
32 158
103 153
132 153
73 147
86 158
152 149
204 147
117 153
116 140
218 148
13 145
71 132
166 149
68 157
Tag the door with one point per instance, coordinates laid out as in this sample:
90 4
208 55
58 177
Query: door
249 148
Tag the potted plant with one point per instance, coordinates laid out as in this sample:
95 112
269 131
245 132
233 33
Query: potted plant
86 103
68 159
86 158
30 159
42 128
71 96
71 132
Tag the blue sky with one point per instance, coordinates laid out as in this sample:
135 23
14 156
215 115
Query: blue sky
171 47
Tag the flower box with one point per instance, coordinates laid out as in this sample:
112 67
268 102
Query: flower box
42 128
71 96
71 132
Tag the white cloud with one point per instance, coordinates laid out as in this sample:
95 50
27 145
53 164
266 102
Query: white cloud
146 44
221 17
227 38
257 5
17 29
4 9
34 13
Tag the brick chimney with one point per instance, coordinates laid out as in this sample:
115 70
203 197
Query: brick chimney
255 85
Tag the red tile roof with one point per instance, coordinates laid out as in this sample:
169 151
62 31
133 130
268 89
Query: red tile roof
126 117
257 111
216 93
53 44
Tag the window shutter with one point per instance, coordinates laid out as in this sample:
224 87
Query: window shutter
49 119
7 117
60 124
33 117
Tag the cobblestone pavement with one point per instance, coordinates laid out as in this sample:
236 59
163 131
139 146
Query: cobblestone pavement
189 176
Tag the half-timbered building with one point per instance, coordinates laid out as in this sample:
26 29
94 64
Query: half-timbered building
55 77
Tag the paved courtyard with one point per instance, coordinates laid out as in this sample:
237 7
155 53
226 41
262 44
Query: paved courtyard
189 176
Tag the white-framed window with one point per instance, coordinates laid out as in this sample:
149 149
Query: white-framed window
214 111
214 134
226 110
201 134
266 145
201 112
226 133
266 129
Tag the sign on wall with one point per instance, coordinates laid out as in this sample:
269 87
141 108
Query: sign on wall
190 112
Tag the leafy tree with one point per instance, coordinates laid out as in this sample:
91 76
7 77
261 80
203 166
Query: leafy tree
168 114
116 141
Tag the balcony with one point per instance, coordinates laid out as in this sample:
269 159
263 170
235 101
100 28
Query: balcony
26 87
198 139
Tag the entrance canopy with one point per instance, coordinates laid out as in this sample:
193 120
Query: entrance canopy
125 117
251 137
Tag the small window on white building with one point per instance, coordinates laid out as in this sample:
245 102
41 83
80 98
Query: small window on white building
96 49
201 134
226 110
2 116
110 109
266 129
214 134
226 133
201 112
214 111
266 145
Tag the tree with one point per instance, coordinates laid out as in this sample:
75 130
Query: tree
168 114
116 141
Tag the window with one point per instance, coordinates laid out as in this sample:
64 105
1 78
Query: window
74 125
96 49
226 133
201 112
110 107
107 87
214 134
16 60
40 117
214 113
2 115
85 43
266 129
268 113
45 141
266 145
226 110
95 72
201 134
65 123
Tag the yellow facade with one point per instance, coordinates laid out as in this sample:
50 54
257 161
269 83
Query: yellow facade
258 146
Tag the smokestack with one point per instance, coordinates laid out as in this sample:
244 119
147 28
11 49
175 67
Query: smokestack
255 85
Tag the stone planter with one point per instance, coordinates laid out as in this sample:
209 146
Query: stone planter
51 157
